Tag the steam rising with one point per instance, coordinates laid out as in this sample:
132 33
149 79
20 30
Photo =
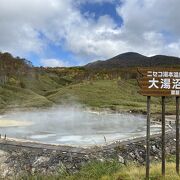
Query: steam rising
74 125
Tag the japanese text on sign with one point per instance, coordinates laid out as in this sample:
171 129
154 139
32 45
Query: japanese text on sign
159 81
169 80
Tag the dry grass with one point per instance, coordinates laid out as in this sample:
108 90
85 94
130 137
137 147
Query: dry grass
133 172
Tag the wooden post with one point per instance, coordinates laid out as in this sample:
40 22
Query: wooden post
148 137
177 135
163 135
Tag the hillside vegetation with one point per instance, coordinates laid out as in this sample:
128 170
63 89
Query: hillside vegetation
113 171
113 94
22 85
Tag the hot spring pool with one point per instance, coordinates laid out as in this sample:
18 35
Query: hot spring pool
73 126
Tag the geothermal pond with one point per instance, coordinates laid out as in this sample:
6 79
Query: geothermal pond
73 126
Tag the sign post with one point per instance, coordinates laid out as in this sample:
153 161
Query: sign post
177 135
163 135
148 137
160 82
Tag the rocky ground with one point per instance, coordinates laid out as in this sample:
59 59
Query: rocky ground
17 158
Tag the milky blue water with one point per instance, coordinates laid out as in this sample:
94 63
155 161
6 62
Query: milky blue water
75 126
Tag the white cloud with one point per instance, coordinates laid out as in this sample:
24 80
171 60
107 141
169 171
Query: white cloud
23 22
29 26
148 23
54 63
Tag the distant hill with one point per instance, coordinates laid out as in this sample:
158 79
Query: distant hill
131 59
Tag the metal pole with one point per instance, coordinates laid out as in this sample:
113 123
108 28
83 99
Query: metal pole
148 137
177 134
163 135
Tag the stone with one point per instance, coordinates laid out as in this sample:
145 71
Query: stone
40 160
101 159
3 153
121 159
154 148
132 155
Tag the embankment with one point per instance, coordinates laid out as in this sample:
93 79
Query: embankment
17 157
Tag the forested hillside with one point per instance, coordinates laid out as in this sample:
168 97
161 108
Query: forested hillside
23 85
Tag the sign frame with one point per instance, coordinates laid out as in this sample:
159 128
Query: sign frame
172 77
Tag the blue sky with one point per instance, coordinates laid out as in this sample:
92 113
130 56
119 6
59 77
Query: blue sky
70 33
100 9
